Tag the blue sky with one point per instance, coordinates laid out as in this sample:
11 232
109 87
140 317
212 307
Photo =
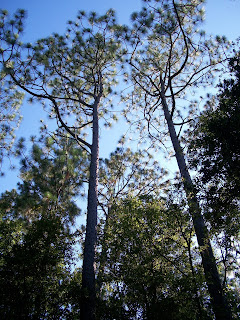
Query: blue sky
48 16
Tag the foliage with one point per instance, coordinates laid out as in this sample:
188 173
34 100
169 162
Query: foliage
10 118
36 238
214 152
169 54
147 257
53 177
147 244
71 75
34 277
11 97
66 71
215 148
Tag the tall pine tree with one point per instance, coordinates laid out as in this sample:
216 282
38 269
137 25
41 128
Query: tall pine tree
72 75
170 55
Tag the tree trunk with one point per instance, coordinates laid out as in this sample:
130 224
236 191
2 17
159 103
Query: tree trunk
218 301
88 299
195 286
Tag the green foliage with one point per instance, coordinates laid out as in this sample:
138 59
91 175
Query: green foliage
69 71
37 253
72 76
215 150
11 97
34 272
169 55
10 118
52 177
147 265
146 255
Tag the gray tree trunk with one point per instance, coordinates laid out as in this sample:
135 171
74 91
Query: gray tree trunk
88 299
218 301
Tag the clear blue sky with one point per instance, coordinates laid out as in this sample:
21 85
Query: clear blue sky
48 16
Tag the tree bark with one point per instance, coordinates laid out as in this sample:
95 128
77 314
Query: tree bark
218 301
88 299
195 286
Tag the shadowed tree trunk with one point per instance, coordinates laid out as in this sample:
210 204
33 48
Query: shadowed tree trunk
169 56
219 304
88 301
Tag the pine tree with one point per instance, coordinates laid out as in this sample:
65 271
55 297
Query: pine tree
214 152
37 240
169 56
72 75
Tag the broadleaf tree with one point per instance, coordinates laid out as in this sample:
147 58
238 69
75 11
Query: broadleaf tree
150 256
170 55
72 76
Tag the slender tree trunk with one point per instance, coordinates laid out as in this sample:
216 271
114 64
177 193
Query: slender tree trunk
88 299
195 286
218 301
